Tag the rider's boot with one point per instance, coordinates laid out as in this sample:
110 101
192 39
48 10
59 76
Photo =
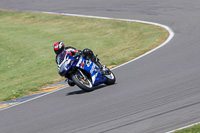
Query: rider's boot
70 82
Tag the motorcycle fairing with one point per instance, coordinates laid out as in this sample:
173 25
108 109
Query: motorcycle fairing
65 62
91 68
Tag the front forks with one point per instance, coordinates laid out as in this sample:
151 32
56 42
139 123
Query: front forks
83 76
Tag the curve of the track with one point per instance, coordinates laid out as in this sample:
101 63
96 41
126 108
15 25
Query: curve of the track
157 93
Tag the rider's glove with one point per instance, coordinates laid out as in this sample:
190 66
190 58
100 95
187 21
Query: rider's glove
78 53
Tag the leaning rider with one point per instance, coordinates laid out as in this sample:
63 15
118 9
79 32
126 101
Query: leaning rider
59 47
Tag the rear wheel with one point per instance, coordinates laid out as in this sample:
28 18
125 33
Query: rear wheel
110 78
82 81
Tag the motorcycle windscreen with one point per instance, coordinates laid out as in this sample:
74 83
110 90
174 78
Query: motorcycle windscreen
61 57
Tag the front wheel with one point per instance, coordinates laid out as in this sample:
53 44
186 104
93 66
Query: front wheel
110 78
82 82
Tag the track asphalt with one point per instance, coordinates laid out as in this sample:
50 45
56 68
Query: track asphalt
155 94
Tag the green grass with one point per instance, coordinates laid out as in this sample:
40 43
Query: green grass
193 129
26 46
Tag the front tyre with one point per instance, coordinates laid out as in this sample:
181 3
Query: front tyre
84 83
110 78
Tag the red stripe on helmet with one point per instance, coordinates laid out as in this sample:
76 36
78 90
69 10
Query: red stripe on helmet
56 46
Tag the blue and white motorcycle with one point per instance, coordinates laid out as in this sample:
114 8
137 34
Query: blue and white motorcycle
83 73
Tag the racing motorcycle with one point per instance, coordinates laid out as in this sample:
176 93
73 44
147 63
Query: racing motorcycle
83 73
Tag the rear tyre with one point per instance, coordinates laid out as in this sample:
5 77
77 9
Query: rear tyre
84 84
110 78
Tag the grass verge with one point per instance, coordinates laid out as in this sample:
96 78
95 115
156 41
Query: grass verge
26 46
193 129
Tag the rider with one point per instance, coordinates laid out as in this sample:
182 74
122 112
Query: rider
59 47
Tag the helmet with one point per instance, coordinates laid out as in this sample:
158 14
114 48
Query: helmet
59 47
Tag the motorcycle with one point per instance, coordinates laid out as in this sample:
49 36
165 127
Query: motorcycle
83 73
